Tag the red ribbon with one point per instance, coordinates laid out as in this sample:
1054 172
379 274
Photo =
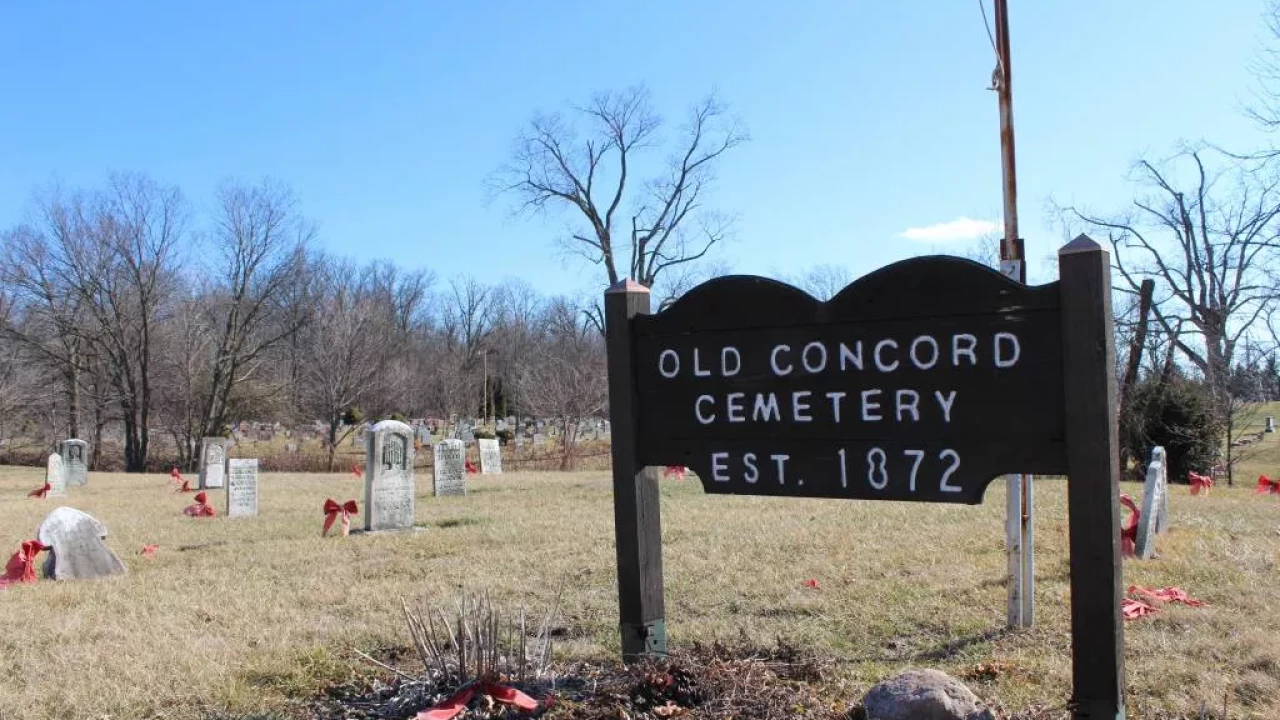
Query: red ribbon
677 470
1129 533
1267 485
21 567
471 469
458 702
201 507
811 584
40 492
355 470
331 511
1133 609
149 550
175 477
1200 482
1165 595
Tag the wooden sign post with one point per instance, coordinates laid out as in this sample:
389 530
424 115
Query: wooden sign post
921 382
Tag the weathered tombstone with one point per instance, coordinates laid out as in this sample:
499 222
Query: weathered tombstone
291 448
1158 456
242 487
468 435
213 462
1271 425
539 439
1154 505
490 456
75 461
77 550
450 471
501 424
55 476
388 479
922 381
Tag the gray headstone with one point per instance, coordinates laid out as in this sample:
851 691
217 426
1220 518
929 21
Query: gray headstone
468 435
501 424
1153 505
1158 456
242 487
490 456
77 550
388 479
539 439
55 475
213 462
75 461
450 471
291 447
1271 425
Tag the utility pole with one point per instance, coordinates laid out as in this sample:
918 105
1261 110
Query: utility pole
1019 527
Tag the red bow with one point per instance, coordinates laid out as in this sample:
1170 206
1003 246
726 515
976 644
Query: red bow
1267 485
1165 595
175 477
201 508
1129 533
40 492
811 584
149 550
459 700
331 511
21 567
355 470
471 469
1200 482
1133 609
677 470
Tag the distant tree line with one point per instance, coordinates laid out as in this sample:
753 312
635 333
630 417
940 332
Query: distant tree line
125 315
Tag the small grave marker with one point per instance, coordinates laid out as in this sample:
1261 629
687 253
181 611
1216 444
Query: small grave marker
77 550
450 471
213 462
55 476
388 482
75 461
490 456
1271 425
242 487
1154 505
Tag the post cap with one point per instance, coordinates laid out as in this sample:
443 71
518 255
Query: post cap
1082 243
627 286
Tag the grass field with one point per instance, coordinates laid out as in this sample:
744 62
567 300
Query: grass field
244 615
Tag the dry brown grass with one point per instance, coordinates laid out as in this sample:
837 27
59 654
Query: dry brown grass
262 613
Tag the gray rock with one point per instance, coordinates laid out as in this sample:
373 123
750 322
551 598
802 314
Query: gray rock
77 550
923 695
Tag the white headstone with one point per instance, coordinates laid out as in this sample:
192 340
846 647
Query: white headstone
242 487
75 461
1271 425
55 476
388 479
490 456
1158 456
450 471
1153 506
539 439
213 462
77 550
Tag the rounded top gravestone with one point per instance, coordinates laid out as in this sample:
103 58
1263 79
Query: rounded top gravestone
389 483
76 547
55 476
75 461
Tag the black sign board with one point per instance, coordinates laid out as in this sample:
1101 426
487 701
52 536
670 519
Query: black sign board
922 381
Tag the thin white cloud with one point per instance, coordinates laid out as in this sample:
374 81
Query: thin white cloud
962 228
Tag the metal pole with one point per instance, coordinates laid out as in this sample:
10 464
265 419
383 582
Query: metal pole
1020 529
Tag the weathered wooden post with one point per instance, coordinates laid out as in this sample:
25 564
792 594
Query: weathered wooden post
636 512
1093 481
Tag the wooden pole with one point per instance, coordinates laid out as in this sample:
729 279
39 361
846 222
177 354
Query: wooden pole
1093 481
1019 522
636 510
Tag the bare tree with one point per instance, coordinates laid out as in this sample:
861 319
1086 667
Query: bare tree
1210 248
636 229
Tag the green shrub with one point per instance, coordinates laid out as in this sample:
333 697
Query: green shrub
1177 415
484 432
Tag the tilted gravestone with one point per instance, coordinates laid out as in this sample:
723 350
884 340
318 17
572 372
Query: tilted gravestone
1158 455
213 462
1154 506
76 547
75 461
490 456
242 487
389 485
450 471
55 476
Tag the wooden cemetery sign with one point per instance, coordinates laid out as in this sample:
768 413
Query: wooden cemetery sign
922 382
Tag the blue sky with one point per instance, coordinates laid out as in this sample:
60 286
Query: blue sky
867 119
